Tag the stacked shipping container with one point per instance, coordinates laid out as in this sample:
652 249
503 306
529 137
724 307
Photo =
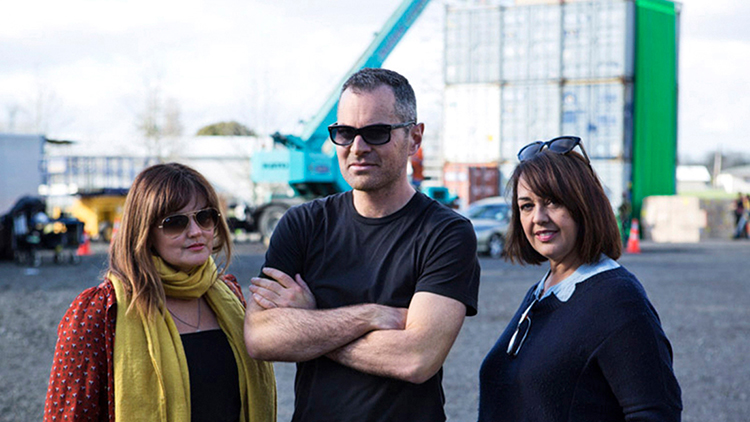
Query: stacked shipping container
471 182
535 71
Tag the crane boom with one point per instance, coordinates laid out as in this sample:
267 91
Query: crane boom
302 164
315 132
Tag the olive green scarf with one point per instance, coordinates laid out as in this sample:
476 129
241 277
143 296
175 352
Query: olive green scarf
150 369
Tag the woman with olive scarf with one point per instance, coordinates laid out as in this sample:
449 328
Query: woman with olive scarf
161 338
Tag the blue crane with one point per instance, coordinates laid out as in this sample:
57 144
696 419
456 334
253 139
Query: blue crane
303 164
308 170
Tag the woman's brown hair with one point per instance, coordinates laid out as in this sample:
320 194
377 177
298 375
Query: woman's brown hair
158 191
568 180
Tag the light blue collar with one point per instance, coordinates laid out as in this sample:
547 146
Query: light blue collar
565 289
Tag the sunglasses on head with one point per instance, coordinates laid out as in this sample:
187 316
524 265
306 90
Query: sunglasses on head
379 134
175 225
559 145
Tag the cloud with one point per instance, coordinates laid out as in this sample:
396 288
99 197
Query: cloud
719 20
714 96
44 17
271 63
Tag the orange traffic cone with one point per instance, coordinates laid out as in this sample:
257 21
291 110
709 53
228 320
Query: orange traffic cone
634 245
84 249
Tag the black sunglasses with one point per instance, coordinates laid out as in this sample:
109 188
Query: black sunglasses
522 330
175 225
559 145
380 134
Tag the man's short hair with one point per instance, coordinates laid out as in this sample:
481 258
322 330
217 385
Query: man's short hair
370 79
570 181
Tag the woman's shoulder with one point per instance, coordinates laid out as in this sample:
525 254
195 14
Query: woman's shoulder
98 297
621 281
91 314
618 288
231 282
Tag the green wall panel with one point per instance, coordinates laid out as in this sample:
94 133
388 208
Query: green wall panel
655 113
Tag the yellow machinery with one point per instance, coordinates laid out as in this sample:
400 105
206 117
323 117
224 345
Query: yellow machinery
100 214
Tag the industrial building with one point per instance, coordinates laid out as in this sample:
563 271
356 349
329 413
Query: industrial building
19 167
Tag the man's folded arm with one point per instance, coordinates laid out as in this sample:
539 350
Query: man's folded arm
414 354
296 335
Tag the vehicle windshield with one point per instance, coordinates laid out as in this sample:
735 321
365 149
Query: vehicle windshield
488 211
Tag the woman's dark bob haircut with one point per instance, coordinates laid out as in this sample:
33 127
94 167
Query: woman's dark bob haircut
565 179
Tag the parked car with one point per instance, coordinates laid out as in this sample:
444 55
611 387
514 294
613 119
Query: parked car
490 217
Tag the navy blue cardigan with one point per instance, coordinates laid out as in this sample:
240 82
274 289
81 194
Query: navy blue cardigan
600 356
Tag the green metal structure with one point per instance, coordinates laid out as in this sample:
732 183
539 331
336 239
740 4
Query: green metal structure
654 158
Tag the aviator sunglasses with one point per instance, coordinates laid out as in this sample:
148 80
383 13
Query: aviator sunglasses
522 330
560 145
379 134
174 225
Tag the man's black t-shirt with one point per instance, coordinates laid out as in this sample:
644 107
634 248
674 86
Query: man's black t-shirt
347 259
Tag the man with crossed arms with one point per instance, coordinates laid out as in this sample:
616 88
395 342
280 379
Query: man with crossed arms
391 274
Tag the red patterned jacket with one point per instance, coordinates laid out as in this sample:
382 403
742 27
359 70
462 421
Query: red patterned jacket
81 386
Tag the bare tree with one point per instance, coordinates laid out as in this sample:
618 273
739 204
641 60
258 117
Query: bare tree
148 120
40 113
45 110
172 124
160 124
12 110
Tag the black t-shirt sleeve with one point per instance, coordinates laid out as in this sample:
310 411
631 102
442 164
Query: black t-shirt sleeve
451 267
286 249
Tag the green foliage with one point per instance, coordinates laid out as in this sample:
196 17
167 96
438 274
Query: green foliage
226 129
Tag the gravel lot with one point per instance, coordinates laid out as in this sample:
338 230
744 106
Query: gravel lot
701 291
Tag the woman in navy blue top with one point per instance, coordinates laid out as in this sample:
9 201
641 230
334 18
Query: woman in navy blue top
585 344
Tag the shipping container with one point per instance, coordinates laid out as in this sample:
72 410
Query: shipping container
603 70
531 43
472 45
529 112
472 181
540 42
528 2
600 113
471 133
597 39
491 123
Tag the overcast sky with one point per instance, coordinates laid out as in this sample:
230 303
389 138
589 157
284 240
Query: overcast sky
85 67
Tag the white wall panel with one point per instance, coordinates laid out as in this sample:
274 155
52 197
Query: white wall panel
472 123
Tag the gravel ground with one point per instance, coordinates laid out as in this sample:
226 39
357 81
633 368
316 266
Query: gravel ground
701 291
